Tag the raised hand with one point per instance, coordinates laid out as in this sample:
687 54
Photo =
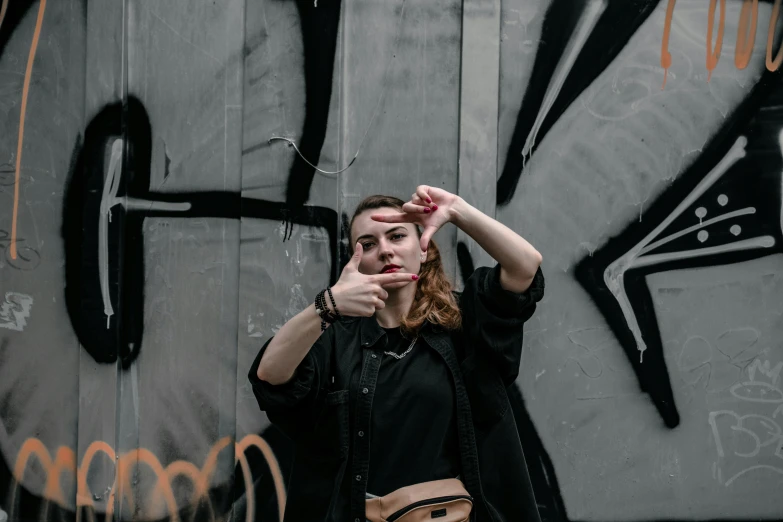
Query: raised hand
360 295
429 207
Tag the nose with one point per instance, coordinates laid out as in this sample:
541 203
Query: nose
385 249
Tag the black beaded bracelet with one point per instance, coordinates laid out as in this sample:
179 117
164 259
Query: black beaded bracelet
331 298
319 309
330 317
323 310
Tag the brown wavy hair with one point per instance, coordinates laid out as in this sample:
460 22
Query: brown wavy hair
433 301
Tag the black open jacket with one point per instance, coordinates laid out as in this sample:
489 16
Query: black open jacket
326 407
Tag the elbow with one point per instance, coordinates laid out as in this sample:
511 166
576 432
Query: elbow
270 377
261 373
536 261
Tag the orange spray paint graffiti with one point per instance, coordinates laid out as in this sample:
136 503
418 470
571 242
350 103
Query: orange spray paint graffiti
714 55
22 113
666 56
746 34
773 65
65 462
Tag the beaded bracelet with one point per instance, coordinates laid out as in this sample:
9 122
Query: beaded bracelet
323 310
331 298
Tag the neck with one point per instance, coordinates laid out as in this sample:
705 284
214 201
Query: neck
397 305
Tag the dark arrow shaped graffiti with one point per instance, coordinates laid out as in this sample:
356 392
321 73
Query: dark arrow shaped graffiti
725 208
107 198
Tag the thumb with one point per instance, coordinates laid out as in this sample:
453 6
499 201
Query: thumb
426 235
356 258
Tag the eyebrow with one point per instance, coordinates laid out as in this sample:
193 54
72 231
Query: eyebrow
388 231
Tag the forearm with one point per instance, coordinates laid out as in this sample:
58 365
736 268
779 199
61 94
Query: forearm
289 347
518 259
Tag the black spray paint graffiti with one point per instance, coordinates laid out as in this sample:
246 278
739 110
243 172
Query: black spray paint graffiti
589 38
15 11
107 198
319 27
563 22
725 208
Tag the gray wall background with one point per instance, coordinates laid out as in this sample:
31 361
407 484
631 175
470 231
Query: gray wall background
438 89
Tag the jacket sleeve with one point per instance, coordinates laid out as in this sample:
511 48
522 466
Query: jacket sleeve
295 405
493 317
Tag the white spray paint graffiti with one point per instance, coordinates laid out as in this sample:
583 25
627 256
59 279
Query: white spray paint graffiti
762 438
15 310
109 200
639 255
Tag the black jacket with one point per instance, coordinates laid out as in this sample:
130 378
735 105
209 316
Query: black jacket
325 409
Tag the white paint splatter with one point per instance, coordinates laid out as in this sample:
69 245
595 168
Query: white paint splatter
109 200
14 312
584 28
639 255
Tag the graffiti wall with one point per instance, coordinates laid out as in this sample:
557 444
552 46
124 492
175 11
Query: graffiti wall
175 183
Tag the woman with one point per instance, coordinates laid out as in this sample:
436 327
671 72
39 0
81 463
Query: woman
409 385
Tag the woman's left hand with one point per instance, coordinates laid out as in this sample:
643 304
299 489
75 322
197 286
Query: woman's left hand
428 207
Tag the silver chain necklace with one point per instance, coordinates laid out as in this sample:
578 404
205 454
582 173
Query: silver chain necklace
399 356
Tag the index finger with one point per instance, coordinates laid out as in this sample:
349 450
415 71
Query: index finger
421 191
404 217
396 277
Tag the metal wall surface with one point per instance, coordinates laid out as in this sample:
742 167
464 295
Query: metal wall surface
154 232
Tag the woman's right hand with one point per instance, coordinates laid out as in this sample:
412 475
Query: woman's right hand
358 294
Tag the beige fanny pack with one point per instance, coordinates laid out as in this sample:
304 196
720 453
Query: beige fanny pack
444 500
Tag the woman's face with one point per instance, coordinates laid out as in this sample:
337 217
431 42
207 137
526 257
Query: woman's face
387 247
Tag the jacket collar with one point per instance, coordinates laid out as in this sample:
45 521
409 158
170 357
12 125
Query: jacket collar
370 331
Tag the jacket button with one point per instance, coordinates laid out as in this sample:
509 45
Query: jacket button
356 520
361 434
358 478
374 356
365 391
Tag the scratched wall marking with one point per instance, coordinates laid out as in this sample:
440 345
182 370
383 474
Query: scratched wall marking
750 442
15 310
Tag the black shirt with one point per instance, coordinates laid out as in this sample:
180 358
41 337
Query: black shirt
413 427
327 408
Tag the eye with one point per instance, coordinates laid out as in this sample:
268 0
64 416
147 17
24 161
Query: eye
396 236
367 245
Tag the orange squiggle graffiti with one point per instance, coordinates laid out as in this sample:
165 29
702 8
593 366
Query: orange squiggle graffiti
83 496
714 56
22 113
773 65
666 56
746 37
65 461
274 467
29 448
247 476
124 466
